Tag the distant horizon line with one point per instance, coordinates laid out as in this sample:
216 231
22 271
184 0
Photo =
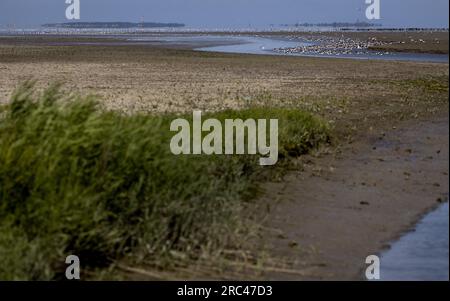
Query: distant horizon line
187 26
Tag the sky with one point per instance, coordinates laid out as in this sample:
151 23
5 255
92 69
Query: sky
227 13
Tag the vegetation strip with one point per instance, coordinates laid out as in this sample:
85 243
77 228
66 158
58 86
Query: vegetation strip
75 179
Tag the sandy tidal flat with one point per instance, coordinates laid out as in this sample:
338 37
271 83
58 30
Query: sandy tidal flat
362 101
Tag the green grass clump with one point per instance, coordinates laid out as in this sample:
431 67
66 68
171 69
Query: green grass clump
75 179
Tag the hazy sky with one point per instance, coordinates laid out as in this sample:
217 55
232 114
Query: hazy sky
221 13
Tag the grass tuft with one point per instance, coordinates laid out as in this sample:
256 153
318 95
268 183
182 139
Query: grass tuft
75 179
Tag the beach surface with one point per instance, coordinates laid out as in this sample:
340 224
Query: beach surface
353 203
387 165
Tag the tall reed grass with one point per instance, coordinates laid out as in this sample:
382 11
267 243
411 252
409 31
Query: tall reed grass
75 179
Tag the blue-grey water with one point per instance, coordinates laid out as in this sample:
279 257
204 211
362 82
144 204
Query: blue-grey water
245 44
263 45
255 45
421 254
223 43
260 45
242 43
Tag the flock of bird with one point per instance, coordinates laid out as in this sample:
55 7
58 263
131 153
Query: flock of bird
335 46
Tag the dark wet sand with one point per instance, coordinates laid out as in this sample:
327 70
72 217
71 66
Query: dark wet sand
347 206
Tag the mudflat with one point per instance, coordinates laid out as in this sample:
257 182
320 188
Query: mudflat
353 203
387 165
140 78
